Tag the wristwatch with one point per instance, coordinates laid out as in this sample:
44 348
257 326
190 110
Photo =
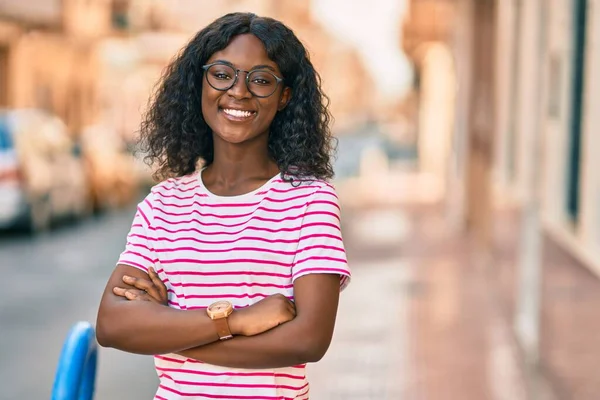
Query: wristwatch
218 312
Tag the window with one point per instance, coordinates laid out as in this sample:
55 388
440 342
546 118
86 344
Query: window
120 14
574 164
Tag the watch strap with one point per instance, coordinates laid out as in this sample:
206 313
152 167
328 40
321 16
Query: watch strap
223 328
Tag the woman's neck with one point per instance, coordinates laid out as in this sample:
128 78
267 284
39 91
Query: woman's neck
239 168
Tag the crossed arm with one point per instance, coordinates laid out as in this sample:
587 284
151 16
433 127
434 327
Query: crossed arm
304 339
149 327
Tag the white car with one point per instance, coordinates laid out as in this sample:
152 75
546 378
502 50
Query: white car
41 177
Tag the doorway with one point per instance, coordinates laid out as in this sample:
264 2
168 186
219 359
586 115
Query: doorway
3 76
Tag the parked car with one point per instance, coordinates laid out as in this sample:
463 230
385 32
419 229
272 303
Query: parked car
42 178
110 168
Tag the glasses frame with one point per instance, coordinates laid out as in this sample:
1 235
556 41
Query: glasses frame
237 74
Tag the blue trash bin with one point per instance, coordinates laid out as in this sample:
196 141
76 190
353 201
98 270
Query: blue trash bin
76 373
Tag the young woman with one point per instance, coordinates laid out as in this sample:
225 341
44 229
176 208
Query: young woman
232 271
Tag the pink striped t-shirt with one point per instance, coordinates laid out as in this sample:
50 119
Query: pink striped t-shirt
239 248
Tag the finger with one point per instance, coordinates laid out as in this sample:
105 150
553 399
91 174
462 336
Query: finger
134 294
160 285
119 291
131 295
293 311
292 304
142 284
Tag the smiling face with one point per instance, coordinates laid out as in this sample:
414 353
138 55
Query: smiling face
235 115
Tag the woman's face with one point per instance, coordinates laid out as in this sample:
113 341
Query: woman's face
236 115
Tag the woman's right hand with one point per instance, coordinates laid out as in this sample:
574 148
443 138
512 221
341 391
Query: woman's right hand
262 316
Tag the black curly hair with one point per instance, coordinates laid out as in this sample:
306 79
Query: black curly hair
175 137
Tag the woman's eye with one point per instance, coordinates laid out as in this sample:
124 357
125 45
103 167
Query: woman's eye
221 75
262 80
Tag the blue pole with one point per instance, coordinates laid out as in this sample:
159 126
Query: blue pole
76 373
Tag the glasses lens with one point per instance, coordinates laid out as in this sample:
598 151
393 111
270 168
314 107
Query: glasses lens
220 76
262 83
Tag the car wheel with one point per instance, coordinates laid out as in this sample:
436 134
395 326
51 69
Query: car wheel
40 214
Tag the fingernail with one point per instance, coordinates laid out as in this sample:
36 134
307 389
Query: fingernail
126 277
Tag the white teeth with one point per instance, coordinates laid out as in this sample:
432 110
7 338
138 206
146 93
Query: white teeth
237 113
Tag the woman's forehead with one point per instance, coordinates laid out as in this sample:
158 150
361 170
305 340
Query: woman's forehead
245 52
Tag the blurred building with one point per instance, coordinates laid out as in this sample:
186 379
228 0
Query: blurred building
48 57
427 39
522 142
550 89
53 59
98 61
540 83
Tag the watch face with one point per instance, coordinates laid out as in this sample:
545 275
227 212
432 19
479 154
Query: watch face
219 307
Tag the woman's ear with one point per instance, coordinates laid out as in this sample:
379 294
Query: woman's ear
285 98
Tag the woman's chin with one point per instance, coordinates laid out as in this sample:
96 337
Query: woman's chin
234 137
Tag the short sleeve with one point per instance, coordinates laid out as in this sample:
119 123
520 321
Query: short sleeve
320 246
139 251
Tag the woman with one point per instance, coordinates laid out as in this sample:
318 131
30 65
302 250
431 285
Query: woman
232 272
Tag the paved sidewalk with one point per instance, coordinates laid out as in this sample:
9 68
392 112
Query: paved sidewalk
418 320
570 301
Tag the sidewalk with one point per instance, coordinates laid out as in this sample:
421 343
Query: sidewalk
570 348
417 321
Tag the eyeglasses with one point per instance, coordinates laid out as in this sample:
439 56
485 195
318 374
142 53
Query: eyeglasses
260 82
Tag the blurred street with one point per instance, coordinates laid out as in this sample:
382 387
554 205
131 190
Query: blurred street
419 321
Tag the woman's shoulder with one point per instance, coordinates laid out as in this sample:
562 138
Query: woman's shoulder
177 185
174 192
306 185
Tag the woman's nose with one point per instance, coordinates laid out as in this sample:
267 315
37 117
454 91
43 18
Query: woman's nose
239 89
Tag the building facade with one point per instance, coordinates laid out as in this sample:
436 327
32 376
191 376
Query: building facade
535 105
524 139
49 58
548 81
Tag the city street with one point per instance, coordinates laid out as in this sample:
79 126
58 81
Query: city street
465 170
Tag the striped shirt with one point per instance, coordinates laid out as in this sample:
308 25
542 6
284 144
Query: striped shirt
238 248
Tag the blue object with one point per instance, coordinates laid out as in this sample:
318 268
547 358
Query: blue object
5 135
76 374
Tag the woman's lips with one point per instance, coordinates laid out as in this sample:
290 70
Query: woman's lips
237 115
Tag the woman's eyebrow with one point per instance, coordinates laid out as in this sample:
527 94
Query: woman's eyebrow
264 66
261 66
224 62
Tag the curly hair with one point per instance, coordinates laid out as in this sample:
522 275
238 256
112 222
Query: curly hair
175 137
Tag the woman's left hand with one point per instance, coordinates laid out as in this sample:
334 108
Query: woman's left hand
153 290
